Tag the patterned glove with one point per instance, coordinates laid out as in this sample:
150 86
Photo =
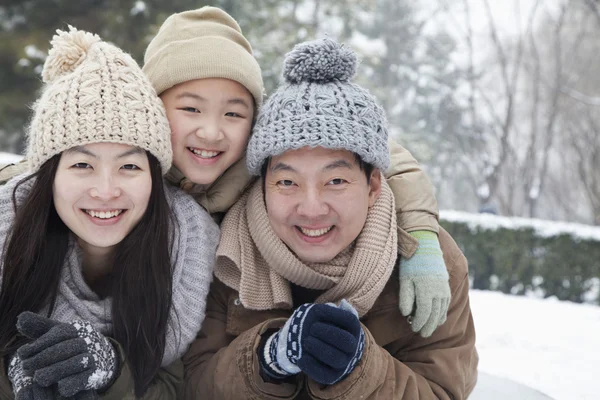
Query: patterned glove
74 355
24 388
322 340
424 283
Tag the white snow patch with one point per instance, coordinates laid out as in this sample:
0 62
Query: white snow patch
138 8
33 52
542 228
550 345
8 158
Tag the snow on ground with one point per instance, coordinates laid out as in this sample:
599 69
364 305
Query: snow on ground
550 345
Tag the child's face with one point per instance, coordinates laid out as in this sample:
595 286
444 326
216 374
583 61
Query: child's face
210 123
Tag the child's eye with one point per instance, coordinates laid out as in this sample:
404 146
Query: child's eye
233 114
81 165
285 183
190 109
337 181
130 167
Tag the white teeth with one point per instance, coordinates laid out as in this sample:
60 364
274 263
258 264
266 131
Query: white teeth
104 214
204 153
315 232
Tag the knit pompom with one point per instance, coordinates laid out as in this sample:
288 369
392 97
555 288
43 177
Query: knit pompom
68 50
319 61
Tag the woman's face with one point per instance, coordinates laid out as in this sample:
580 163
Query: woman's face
101 191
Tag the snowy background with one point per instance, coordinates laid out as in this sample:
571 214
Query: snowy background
550 345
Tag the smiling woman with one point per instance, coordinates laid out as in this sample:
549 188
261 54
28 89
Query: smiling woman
104 270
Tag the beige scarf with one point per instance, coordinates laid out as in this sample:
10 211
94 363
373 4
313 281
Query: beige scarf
254 261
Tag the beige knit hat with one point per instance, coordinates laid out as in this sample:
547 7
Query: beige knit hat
94 93
202 43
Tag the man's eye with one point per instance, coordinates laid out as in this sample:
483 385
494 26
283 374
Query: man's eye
337 181
81 165
190 109
285 183
130 167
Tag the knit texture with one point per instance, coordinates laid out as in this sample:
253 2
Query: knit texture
325 341
95 92
318 106
254 261
195 241
73 355
424 288
202 43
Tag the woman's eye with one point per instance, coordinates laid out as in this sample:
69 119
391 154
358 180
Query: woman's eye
337 181
81 165
285 183
233 114
190 109
130 167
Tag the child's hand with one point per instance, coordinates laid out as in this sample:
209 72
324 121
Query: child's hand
74 356
424 285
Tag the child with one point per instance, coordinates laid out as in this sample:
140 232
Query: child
202 68
104 270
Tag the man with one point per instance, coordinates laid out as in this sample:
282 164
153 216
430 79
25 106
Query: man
305 300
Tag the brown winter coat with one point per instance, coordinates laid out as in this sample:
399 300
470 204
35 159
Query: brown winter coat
397 364
167 384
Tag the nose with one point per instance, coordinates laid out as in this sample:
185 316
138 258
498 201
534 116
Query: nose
210 130
312 205
105 187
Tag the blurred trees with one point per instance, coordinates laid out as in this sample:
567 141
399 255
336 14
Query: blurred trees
502 121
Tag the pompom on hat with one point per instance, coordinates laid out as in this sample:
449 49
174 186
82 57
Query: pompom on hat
318 106
95 92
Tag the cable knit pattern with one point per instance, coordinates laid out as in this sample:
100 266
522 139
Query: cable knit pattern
254 261
195 243
95 93
319 106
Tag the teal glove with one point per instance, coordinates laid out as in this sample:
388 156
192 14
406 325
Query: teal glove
424 285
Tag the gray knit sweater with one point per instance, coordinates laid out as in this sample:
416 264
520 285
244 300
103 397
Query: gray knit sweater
194 248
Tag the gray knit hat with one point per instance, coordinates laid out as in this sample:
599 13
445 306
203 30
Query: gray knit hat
318 106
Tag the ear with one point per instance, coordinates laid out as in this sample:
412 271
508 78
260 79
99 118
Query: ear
374 186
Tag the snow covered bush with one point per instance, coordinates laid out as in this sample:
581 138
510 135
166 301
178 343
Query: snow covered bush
528 256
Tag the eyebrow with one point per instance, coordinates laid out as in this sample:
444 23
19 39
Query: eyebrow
338 164
235 100
334 165
282 167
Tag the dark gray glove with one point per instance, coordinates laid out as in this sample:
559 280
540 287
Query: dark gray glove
74 355
24 388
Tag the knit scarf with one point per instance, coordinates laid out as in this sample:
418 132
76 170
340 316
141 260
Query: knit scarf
254 261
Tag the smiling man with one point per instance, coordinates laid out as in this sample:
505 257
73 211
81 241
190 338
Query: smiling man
304 304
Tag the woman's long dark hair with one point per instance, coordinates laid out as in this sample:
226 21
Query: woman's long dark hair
141 283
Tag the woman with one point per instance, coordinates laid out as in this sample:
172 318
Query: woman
104 270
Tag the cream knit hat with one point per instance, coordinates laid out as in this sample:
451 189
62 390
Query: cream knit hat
94 93
202 43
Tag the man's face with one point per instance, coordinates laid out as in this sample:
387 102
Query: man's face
210 123
317 200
